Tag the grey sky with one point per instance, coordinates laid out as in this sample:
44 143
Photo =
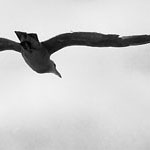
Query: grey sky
102 101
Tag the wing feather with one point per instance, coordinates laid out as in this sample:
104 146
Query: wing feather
6 44
93 39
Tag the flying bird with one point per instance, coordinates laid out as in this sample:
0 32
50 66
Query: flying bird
37 54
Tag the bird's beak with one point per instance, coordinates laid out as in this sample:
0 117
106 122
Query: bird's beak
57 73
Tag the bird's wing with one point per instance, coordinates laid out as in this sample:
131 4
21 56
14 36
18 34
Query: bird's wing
93 39
6 44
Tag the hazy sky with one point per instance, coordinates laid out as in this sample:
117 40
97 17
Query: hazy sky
103 100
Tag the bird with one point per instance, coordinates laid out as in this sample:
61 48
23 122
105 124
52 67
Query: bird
37 54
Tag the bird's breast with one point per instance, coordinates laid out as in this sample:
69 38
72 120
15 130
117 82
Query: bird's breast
37 59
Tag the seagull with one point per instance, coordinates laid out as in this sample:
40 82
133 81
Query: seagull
37 54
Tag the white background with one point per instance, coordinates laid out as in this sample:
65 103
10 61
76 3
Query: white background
103 100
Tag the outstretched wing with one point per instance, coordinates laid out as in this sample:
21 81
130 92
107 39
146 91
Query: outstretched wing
93 39
6 44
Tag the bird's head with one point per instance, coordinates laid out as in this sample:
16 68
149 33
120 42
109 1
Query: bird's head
52 69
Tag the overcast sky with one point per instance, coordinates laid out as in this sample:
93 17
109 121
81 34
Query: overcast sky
103 100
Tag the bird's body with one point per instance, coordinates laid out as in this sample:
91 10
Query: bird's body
37 54
37 59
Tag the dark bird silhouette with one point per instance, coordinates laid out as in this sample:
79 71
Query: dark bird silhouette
37 54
